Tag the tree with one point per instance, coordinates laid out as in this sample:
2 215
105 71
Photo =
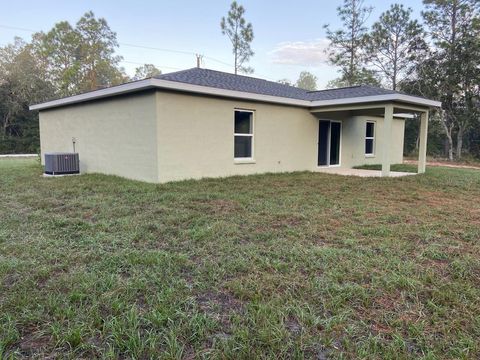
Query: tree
62 62
425 82
80 58
99 66
455 29
146 71
307 81
346 49
61 46
240 34
285 82
394 44
22 82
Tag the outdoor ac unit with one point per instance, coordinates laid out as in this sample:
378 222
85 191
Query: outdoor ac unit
61 163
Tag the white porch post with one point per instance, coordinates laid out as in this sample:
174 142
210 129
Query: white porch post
387 139
422 150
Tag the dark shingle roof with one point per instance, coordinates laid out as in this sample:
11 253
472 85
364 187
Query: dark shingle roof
221 80
227 81
348 92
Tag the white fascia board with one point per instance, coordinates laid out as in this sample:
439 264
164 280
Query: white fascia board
97 94
403 116
378 98
206 90
418 100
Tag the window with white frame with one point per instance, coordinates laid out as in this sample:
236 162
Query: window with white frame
243 134
370 138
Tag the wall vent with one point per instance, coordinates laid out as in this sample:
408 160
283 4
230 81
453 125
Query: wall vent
62 163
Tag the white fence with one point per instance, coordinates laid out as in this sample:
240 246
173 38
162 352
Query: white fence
18 156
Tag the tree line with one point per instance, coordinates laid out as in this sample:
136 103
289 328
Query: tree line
64 61
437 57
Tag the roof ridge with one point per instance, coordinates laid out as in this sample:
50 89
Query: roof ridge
232 74
159 76
229 73
225 80
338 88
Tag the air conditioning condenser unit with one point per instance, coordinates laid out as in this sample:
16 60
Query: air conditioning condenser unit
62 163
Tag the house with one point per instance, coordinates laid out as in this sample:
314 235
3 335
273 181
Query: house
203 123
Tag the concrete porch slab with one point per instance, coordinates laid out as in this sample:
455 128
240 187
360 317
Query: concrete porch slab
362 172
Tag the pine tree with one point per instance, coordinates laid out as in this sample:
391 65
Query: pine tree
455 29
61 45
99 66
347 45
240 34
394 44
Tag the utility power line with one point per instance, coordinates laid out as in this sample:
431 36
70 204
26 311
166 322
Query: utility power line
135 63
149 48
16 28
158 66
135 46
158 49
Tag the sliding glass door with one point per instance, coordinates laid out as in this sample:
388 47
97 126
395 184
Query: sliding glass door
329 138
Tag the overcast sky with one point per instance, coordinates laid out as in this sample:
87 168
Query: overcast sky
289 35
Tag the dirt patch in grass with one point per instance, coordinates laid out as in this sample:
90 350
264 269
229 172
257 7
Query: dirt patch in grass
436 199
387 302
440 266
10 279
381 328
31 343
286 221
392 313
293 326
219 304
216 206
223 206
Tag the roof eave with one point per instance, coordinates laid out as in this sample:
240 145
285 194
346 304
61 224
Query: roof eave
402 98
153 83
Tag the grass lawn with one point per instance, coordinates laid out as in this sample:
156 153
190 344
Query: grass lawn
302 265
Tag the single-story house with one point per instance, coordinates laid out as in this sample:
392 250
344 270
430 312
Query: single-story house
203 123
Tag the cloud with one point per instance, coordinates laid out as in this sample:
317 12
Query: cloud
306 53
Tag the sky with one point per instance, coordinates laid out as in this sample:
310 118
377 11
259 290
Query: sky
288 35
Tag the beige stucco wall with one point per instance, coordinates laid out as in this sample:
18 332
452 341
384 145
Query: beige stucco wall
167 136
196 137
353 144
114 136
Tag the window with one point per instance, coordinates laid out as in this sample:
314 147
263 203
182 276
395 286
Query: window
370 138
243 136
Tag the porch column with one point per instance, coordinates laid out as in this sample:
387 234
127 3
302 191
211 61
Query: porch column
422 150
387 139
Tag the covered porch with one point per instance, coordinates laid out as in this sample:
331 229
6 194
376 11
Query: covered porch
381 136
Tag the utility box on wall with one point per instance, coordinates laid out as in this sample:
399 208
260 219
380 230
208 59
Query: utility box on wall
62 163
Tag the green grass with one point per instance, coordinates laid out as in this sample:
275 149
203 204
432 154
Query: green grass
302 265
395 167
